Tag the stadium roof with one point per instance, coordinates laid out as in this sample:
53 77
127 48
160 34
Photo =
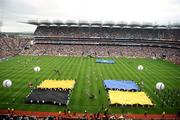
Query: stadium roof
176 25
135 24
33 22
146 24
97 23
71 22
45 22
58 22
121 24
83 22
108 23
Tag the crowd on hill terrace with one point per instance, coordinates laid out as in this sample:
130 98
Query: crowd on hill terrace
11 46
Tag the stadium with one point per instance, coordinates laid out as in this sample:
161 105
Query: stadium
92 70
89 60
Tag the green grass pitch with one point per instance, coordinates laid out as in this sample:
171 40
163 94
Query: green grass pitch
89 76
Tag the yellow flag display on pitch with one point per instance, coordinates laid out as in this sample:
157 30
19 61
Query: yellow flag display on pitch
64 84
128 98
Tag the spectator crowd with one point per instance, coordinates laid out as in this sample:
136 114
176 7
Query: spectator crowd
11 46
170 54
106 32
96 42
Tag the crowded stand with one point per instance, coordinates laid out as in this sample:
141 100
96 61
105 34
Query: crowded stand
107 41
170 54
97 41
106 32
11 46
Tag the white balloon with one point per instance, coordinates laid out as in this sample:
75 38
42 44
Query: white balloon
140 67
4 82
31 42
37 69
160 86
7 83
154 58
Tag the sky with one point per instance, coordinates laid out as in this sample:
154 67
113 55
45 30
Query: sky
140 11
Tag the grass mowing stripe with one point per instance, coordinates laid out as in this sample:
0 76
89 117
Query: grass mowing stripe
20 70
159 75
77 92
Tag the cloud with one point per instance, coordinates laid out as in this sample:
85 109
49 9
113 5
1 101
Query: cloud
159 11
